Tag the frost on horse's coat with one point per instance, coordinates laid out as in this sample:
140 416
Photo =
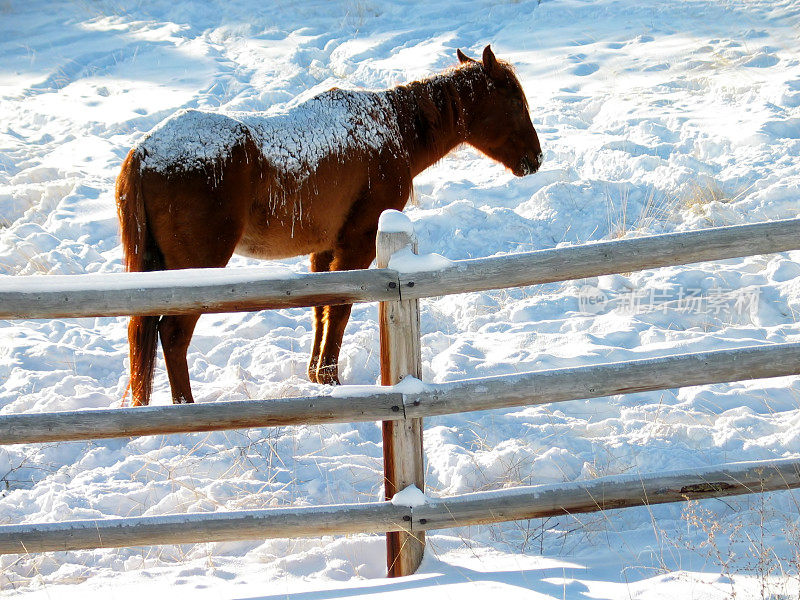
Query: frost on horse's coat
312 179
334 123
188 140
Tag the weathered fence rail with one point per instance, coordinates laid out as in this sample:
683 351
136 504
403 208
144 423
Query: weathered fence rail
230 290
606 493
401 408
603 258
531 502
189 291
309 521
186 418
388 404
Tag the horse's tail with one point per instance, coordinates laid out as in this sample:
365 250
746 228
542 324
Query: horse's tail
140 253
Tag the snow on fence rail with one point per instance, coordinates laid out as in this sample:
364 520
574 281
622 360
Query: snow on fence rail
401 408
233 290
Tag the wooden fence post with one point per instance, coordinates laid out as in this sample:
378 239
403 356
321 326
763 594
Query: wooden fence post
400 356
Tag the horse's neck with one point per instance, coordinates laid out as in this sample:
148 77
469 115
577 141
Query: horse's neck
433 116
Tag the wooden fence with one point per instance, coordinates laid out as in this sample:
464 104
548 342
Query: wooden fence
400 407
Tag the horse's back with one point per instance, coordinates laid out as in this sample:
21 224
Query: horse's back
334 125
322 154
190 140
269 185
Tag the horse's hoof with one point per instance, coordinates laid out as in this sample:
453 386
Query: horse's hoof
328 376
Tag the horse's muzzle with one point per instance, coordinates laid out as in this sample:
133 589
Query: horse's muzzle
530 165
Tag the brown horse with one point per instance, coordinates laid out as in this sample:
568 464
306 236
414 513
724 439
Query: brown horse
311 180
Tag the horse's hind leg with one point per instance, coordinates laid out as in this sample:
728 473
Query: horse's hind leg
320 261
189 241
176 333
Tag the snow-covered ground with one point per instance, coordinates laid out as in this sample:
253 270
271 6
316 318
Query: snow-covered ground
654 116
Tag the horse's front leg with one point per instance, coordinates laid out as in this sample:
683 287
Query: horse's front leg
335 321
320 261
357 254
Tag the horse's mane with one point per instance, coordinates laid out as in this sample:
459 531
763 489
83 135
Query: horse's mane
433 107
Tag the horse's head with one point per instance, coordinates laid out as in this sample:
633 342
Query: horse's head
499 124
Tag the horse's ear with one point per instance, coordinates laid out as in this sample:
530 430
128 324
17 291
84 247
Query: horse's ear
463 58
490 62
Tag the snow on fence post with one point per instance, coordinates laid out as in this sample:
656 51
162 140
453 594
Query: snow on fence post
400 356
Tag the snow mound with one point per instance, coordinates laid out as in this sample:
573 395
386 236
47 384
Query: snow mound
394 221
408 261
411 496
